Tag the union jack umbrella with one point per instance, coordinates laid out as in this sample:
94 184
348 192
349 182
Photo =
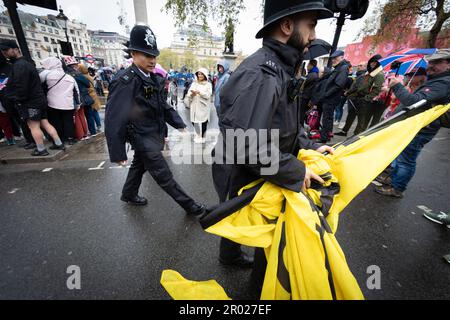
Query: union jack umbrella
410 58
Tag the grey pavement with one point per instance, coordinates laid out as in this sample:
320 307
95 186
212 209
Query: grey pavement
68 212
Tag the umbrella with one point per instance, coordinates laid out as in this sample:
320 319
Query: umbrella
409 59
316 49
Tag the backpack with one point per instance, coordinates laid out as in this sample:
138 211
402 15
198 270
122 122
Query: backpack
313 120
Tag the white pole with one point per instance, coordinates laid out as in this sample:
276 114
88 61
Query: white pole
140 10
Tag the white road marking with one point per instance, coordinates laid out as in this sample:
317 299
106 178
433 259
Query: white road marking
13 191
425 209
47 170
99 167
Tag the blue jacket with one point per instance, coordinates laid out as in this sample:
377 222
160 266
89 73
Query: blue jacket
223 78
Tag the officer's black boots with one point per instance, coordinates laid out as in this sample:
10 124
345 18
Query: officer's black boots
135 201
197 209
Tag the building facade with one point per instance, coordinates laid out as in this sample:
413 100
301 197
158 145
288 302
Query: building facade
43 34
203 44
109 47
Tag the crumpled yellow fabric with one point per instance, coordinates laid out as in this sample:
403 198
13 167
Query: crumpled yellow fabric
297 230
180 288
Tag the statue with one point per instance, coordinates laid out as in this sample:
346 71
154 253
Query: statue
229 37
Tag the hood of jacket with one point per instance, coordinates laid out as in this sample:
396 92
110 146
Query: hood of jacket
52 63
204 71
83 69
225 65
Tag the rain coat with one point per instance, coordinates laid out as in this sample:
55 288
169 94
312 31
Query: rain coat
200 103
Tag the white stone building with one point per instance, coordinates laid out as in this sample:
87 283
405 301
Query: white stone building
108 46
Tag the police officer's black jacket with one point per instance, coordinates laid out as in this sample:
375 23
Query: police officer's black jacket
256 97
136 112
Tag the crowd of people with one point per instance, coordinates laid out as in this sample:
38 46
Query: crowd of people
59 103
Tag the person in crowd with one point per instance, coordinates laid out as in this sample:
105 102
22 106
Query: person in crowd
361 97
61 105
187 85
173 92
200 94
83 85
330 95
308 89
25 91
19 127
137 112
436 90
6 126
223 68
95 107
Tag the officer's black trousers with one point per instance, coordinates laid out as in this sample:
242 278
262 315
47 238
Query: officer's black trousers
327 122
156 165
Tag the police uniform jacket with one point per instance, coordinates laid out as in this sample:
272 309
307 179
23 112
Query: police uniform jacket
256 97
137 112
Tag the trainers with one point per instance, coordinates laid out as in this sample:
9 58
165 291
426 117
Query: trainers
389 191
10 142
37 153
385 179
60 147
29 146
440 218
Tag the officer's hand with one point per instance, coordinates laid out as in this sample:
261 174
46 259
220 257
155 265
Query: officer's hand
324 149
309 175
122 163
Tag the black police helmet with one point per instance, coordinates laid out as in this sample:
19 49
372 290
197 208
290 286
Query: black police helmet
277 9
143 39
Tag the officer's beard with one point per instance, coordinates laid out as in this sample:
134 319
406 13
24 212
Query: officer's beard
296 41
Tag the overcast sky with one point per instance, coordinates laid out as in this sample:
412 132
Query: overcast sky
103 14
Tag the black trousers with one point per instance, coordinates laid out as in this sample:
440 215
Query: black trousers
63 122
327 121
156 165
376 111
352 111
204 128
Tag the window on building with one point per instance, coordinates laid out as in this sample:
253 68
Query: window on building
50 30
46 39
55 50
11 31
56 32
53 41
36 45
75 46
72 31
81 47
74 39
33 35
43 28
78 32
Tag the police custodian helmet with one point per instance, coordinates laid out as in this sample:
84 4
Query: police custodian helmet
143 39
277 9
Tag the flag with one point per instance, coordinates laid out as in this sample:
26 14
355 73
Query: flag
296 230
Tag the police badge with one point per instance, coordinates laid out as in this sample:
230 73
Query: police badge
150 38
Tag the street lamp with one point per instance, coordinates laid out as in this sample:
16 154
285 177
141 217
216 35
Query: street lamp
65 46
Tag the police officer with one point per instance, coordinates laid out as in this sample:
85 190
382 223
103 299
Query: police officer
258 96
136 112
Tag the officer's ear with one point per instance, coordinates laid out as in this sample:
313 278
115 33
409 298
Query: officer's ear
287 26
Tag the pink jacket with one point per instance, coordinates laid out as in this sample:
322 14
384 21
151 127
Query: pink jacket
60 96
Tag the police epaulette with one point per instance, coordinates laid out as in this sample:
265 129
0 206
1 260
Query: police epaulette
270 66
128 76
